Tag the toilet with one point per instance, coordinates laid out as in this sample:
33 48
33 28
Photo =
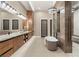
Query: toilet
51 43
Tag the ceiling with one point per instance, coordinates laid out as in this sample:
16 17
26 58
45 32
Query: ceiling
75 4
38 5
26 5
43 5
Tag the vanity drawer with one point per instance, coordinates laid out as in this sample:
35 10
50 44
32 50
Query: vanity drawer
18 42
8 47
4 44
8 54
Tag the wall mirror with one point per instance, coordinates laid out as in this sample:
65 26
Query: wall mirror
9 22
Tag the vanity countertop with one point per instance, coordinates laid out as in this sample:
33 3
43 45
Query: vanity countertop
15 34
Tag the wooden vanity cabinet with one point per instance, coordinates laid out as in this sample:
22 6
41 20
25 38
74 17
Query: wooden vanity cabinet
5 48
8 54
18 42
8 47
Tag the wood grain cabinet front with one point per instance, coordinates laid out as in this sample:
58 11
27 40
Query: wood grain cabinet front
7 48
14 44
4 46
18 42
21 41
8 54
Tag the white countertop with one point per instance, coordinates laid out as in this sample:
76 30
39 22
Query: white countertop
8 36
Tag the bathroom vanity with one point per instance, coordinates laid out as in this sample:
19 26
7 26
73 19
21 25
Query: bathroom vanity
14 31
9 43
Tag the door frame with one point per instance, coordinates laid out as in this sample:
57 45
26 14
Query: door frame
46 26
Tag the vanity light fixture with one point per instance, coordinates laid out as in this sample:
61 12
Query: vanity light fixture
10 9
3 4
21 16
7 7
14 11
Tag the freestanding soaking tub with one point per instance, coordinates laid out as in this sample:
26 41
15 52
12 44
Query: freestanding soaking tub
51 43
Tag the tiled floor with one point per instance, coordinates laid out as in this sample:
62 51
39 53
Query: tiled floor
38 49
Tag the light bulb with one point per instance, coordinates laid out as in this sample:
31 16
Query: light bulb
21 16
3 4
10 10
14 11
7 7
